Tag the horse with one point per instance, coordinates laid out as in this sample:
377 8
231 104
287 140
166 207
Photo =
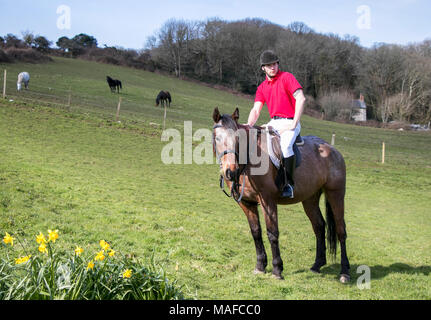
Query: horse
322 170
23 77
164 97
114 84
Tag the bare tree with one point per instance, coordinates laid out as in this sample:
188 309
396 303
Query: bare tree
174 38
381 76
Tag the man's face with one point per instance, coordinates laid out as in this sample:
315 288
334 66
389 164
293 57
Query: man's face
270 69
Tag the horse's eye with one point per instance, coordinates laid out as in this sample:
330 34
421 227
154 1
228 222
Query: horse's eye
217 139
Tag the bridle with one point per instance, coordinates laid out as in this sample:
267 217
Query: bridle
234 191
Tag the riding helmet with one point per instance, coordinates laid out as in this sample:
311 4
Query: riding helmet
268 57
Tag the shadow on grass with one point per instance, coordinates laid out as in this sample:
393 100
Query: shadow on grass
377 271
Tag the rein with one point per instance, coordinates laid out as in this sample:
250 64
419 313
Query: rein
234 191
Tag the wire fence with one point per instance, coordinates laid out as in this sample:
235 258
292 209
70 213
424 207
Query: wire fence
104 106
376 145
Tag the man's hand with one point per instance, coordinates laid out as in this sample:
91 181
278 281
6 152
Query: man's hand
287 127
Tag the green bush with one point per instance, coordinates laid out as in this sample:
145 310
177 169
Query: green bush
45 274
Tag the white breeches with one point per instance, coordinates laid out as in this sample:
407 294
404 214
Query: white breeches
287 138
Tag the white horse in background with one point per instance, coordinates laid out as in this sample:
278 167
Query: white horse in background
23 77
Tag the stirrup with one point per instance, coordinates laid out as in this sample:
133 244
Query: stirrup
287 191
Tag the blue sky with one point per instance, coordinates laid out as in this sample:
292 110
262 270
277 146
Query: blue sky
128 23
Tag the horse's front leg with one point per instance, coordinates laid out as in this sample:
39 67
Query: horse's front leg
252 215
269 208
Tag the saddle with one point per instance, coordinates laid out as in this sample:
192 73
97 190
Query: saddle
274 148
275 154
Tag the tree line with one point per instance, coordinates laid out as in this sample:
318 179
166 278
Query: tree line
394 80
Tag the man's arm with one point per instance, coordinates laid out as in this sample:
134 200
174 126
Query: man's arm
299 106
254 113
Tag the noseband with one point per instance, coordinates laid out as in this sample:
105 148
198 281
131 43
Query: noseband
234 191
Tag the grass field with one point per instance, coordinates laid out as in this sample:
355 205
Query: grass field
77 170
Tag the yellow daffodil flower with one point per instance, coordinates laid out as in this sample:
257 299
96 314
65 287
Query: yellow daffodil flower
8 239
90 265
52 235
111 253
42 248
100 256
127 273
78 251
40 238
22 259
104 245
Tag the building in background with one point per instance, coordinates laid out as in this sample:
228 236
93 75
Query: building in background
359 109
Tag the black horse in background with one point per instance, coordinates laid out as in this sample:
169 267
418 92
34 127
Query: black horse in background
114 84
164 97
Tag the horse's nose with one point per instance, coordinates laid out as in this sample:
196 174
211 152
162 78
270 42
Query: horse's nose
231 175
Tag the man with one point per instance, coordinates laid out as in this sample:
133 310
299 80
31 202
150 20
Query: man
285 99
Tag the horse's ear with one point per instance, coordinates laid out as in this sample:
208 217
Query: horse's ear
216 115
235 115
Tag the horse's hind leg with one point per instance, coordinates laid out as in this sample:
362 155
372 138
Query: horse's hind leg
311 208
252 215
336 205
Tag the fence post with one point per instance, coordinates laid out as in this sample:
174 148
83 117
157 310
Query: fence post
69 98
164 117
333 139
383 153
118 109
4 84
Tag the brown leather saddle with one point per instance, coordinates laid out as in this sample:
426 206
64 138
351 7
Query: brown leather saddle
276 148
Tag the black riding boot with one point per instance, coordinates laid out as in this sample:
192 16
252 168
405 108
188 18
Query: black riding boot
289 167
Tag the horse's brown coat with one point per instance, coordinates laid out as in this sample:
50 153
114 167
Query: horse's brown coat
322 170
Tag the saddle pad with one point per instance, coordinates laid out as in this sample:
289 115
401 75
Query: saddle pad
275 156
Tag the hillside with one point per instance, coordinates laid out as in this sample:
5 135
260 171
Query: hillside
75 169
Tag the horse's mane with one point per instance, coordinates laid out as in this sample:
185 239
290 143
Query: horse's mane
230 123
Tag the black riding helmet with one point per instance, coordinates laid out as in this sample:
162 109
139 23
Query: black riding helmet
268 57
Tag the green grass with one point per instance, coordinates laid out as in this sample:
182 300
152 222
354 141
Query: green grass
77 170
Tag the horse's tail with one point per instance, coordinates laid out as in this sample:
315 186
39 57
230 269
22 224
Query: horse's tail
119 82
331 235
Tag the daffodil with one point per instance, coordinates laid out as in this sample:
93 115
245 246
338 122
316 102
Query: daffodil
40 238
100 256
111 253
127 273
8 239
78 251
104 245
42 248
90 265
22 259
52 235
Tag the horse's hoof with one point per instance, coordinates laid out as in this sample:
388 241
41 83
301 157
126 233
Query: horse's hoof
315 270
257 271
344 278
277 276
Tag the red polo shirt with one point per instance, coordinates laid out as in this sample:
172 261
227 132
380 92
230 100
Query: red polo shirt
277 93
